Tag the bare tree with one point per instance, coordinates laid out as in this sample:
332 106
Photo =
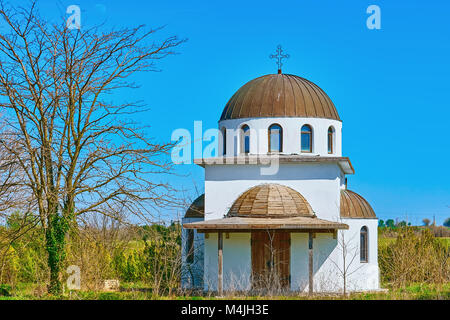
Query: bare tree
78 148
348 254
426 222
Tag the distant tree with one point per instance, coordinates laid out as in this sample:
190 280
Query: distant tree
402 224
390 223
447 222
381 224
426 222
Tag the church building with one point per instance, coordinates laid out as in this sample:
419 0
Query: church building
276 212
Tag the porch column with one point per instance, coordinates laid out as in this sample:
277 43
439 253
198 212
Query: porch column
220 256
311 274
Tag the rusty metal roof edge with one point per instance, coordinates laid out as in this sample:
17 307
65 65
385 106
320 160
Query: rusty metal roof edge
262 117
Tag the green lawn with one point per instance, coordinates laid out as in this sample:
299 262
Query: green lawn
135 292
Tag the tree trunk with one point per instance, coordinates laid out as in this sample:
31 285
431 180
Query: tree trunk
57 228
345 286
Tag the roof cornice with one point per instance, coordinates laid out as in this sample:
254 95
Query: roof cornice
343 162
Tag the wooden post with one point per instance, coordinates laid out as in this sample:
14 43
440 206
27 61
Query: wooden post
311 273
220 254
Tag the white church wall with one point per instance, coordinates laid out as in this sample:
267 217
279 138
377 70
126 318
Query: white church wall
192 273
318 183
366 274
328 260
291 135
236 262
211 263
299 261
326 255
323 274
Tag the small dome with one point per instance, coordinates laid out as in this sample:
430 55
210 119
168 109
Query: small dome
355 206
271 200
279 95
197 208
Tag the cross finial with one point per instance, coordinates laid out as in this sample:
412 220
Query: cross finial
279 56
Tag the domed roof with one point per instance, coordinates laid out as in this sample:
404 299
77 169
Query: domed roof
355 206
197 208
270 201
279 95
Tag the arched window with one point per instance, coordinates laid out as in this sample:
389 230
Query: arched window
245 139
224 141
275 138
363 246
306 137
330 140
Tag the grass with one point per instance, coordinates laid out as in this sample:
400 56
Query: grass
417 291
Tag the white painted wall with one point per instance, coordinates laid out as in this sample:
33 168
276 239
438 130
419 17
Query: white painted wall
323 249
291 135
319 183
367 275
211 263
328 260
236 262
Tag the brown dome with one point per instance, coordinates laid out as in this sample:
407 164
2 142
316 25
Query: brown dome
355 206
270 200
197 208
279 95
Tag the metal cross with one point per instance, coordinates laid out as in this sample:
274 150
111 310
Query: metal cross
279 56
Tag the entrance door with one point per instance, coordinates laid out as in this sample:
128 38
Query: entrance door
271 260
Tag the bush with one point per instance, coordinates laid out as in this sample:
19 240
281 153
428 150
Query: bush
5 290
414 257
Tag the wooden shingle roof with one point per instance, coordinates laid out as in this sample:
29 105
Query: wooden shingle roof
355 206
279 95
270 200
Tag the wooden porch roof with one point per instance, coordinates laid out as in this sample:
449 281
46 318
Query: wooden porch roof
237 224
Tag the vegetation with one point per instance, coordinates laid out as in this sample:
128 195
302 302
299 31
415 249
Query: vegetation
67 150
414 264
142 258
414 257
447 223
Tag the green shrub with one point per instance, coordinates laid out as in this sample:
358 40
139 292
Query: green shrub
414 257
5 290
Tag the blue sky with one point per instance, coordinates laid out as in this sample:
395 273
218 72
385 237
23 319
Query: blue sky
390 86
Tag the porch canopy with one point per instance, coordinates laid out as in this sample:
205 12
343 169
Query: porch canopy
246 224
